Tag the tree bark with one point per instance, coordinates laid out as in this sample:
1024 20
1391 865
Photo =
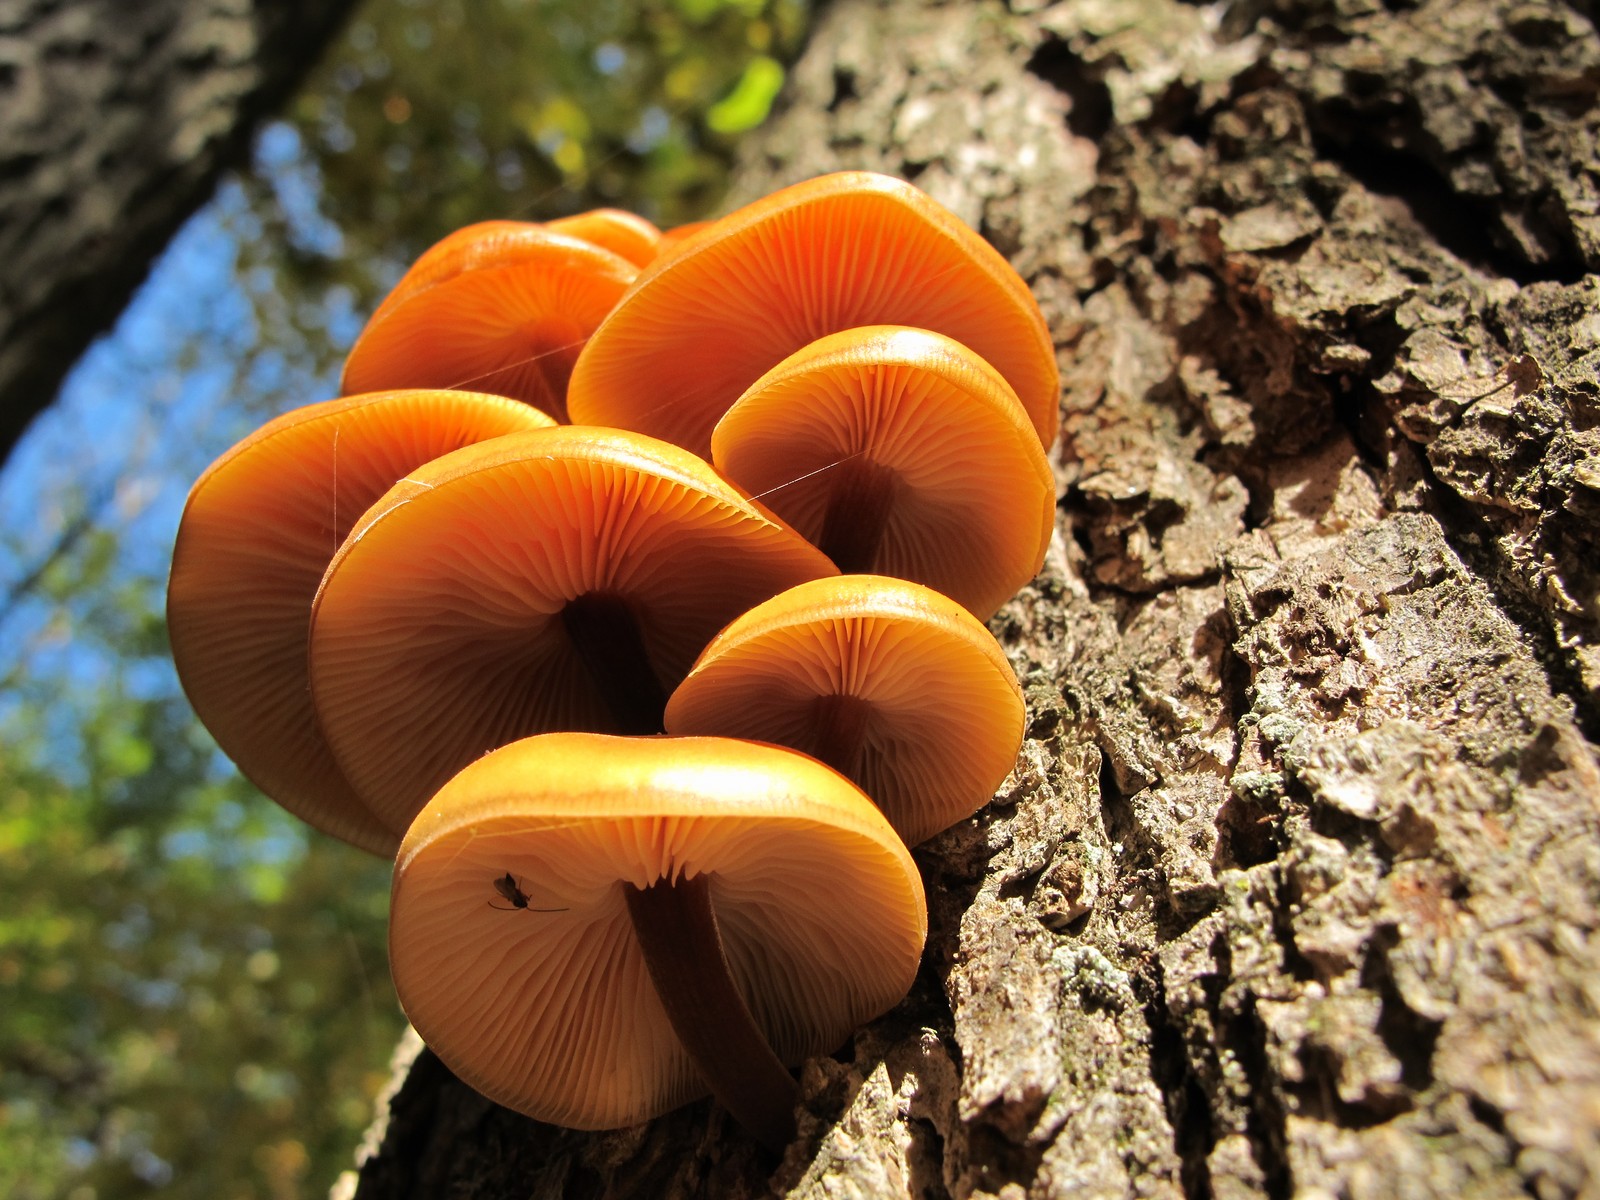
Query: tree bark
116 120
1294 889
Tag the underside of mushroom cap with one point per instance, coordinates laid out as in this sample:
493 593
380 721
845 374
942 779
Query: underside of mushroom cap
259 529
892 684
442 627
707 319
504 312
899 452
554 1014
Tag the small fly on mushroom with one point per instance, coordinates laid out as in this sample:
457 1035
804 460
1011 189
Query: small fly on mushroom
510 887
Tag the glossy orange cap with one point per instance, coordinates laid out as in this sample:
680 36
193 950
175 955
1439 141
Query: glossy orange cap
501 307
554 1014
890 683
259 529
442 628
706 320
624 234
899 452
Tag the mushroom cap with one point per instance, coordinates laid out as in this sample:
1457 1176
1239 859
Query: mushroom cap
632 237
437 634
672 238
259 529
708 318
456 251
820 908
936 707
500 307
481 243
973 505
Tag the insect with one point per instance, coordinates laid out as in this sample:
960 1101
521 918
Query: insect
511 889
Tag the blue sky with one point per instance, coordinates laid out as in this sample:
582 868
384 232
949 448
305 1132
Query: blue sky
183 375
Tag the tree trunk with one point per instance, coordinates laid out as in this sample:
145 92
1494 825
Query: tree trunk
116 119
1294 889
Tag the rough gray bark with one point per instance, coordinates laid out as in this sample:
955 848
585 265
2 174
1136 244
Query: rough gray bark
1295 889
116 119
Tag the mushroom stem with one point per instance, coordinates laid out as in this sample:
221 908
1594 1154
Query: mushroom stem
858 510
839 724
677 931
606 635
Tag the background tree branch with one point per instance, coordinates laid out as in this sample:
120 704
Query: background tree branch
116 121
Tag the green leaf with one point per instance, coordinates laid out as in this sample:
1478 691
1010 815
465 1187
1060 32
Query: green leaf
751 99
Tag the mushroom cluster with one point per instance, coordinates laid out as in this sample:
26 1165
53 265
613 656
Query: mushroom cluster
676 685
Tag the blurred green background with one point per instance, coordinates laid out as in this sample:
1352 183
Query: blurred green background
194 990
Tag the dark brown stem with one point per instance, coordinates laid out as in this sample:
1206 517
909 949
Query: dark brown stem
677 931
606 635
858 510
839 725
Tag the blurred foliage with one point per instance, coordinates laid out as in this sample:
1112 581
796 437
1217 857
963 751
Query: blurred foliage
438 113
194 987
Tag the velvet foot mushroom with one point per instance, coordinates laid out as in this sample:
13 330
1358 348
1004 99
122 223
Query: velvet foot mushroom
500 307
632 237
483 243
898 452
558 580
896 687
711 316
723 910
258 530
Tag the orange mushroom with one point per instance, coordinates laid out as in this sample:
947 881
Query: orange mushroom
622 233
259 529
476 245
901 452
558 580
723 909
672 238
501 307
706 320
893 685
452 254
